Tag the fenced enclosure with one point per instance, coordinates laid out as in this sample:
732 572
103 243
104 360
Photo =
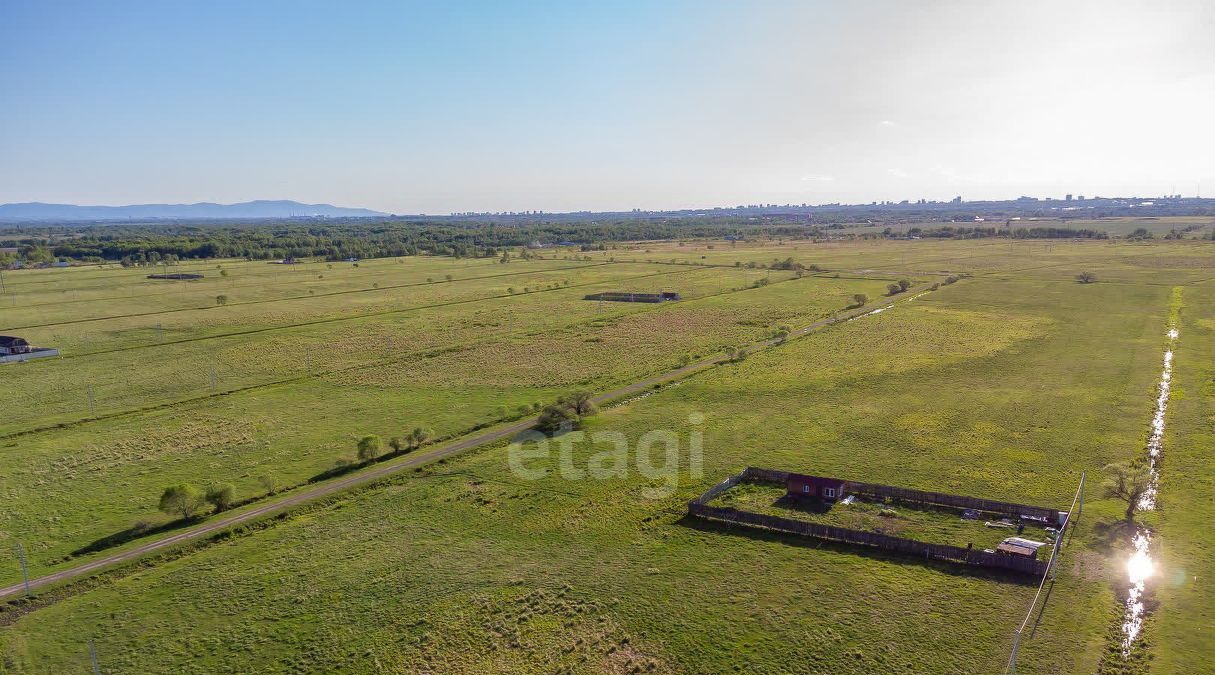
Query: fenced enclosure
885 541
624 296
700 508
176 276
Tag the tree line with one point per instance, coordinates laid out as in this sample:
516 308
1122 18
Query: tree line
1007 232
150 244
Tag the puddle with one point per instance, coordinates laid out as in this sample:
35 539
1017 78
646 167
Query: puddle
883 308
879 310
648 393
1141 566
1138 569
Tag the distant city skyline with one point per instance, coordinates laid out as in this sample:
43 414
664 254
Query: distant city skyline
477 106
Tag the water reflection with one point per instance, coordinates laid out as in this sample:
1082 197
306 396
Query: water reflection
1140 567
883 308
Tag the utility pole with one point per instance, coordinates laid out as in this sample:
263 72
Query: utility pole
1012 665
25 576
93 658
1080 504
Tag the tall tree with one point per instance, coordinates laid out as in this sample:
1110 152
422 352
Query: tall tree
1129 482
580 402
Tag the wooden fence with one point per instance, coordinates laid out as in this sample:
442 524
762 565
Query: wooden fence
885 541
700 508
628 297
757 475
35 353
1052 516
713 492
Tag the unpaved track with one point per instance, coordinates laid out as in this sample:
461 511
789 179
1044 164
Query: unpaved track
388 468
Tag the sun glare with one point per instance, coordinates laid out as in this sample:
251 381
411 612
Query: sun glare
1140 567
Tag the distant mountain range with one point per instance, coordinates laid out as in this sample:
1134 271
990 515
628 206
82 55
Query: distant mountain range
37 211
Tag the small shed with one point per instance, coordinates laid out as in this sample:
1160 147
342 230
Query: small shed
13 345
1026 548
802 486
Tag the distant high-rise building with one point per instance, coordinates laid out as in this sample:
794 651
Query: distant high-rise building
1068 197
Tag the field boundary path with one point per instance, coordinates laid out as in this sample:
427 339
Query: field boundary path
391 467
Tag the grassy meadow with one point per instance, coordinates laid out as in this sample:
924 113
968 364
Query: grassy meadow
1005 385
238 400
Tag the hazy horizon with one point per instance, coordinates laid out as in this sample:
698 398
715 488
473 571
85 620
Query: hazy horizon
407 108
692 207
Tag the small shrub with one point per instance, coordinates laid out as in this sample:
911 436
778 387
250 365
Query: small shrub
268 482
418 437
183 500
221 496
369 447
555 417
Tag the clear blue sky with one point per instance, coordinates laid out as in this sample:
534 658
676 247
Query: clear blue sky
444 106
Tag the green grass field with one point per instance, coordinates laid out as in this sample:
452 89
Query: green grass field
1005 385
290 399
